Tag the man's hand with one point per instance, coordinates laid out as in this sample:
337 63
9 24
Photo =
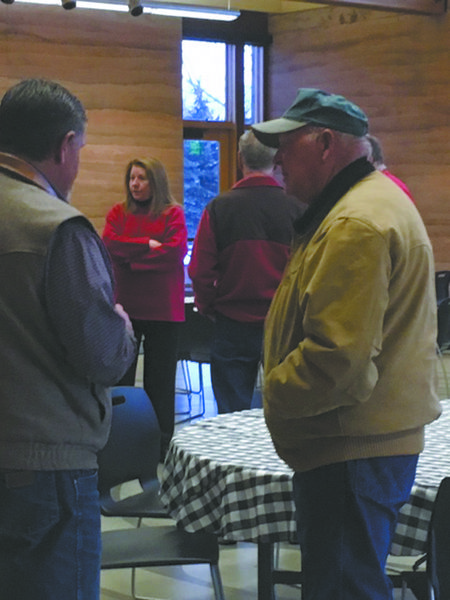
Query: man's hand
122 313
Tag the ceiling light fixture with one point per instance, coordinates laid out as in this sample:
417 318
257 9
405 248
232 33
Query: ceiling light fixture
81 4
135 7
154 8
191 12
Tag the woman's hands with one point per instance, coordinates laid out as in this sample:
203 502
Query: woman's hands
154 243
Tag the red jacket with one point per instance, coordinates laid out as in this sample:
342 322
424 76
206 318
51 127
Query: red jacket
401 184
149 282
241 249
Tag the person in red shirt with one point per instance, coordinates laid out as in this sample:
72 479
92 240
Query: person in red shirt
376 157
146 237
240 250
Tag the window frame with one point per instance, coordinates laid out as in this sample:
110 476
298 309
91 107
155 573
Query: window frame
249 28
252 29
223 132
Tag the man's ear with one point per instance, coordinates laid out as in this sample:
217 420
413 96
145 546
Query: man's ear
326 139
65 145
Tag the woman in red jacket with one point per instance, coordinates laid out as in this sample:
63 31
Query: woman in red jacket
147 239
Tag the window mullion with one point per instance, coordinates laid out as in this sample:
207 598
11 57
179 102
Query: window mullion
230 83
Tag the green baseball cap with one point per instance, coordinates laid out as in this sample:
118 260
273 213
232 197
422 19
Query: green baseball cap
314 107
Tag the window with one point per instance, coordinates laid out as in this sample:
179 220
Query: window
253 84
223 92
209 166
201 179
210 106
204 81
209 79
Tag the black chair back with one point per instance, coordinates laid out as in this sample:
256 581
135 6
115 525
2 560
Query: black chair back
196 335
443 319
442 279
433 583
133 448
438 564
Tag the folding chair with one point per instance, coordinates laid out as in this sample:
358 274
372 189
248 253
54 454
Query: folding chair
433 583
194 346
132 452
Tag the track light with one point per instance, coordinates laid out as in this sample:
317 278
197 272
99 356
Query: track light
191 12
135 7
149 7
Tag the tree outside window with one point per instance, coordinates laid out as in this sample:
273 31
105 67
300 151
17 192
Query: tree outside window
207 76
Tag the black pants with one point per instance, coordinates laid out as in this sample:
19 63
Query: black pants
160 368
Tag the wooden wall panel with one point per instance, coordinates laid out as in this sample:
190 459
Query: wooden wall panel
396 67
127 73
424 7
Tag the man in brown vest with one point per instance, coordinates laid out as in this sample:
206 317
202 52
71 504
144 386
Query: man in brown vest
62 342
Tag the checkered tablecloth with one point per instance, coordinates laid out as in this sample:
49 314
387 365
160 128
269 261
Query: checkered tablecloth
434 465
223 475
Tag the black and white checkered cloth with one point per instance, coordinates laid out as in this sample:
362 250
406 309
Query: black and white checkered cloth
434 465
223 475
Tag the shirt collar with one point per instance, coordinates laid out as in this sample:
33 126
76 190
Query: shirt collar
333 192
256 181
21 169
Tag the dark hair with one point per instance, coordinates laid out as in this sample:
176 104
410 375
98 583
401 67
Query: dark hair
35 115
159 185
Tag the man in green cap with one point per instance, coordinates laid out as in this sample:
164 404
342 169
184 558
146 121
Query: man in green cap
350 347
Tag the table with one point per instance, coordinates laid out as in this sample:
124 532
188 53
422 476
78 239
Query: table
223 475
434 464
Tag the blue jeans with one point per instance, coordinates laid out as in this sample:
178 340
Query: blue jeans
346 516
50 543
235 356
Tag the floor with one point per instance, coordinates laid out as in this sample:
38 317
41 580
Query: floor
237 562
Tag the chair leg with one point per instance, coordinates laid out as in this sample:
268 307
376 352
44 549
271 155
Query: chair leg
277 552
200 392
133 584
215 577
217 582
187 390
133 588
431 593
133 572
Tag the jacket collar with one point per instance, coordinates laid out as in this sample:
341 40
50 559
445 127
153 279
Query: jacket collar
255 181
20 169
333 192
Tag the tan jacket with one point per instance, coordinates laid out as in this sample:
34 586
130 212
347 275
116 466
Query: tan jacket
350 344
